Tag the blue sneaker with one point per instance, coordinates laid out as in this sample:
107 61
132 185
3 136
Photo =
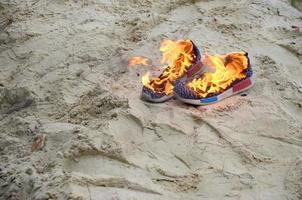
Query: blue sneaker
184 58
224 76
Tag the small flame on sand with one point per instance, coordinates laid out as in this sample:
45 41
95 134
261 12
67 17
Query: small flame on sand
138 60
227 69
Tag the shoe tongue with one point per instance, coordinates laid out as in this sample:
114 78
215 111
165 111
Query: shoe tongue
197 52
199 67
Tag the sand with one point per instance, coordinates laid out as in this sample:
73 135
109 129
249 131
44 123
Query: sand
64 74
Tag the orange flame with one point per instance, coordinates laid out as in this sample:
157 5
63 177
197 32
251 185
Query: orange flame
146 79
227 69
178 55
138 60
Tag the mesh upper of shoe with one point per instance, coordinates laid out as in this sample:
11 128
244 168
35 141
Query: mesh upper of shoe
156 95
183 91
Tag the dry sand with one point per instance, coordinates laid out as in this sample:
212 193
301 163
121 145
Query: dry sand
64 73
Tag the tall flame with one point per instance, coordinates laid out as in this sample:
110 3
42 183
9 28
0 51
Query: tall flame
178 55
227 69
146 79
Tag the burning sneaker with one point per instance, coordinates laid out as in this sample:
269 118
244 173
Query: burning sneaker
223 76
181 56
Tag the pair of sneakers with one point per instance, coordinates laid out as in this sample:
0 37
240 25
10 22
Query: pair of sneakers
198 79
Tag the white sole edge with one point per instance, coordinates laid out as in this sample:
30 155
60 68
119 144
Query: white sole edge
159 100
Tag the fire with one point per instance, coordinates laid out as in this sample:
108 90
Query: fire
146 79
138 60
226 69
178 55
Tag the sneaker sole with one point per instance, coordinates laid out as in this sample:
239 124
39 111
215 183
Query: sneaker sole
146 97
237 88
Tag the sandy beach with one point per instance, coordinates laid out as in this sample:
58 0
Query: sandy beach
65 80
